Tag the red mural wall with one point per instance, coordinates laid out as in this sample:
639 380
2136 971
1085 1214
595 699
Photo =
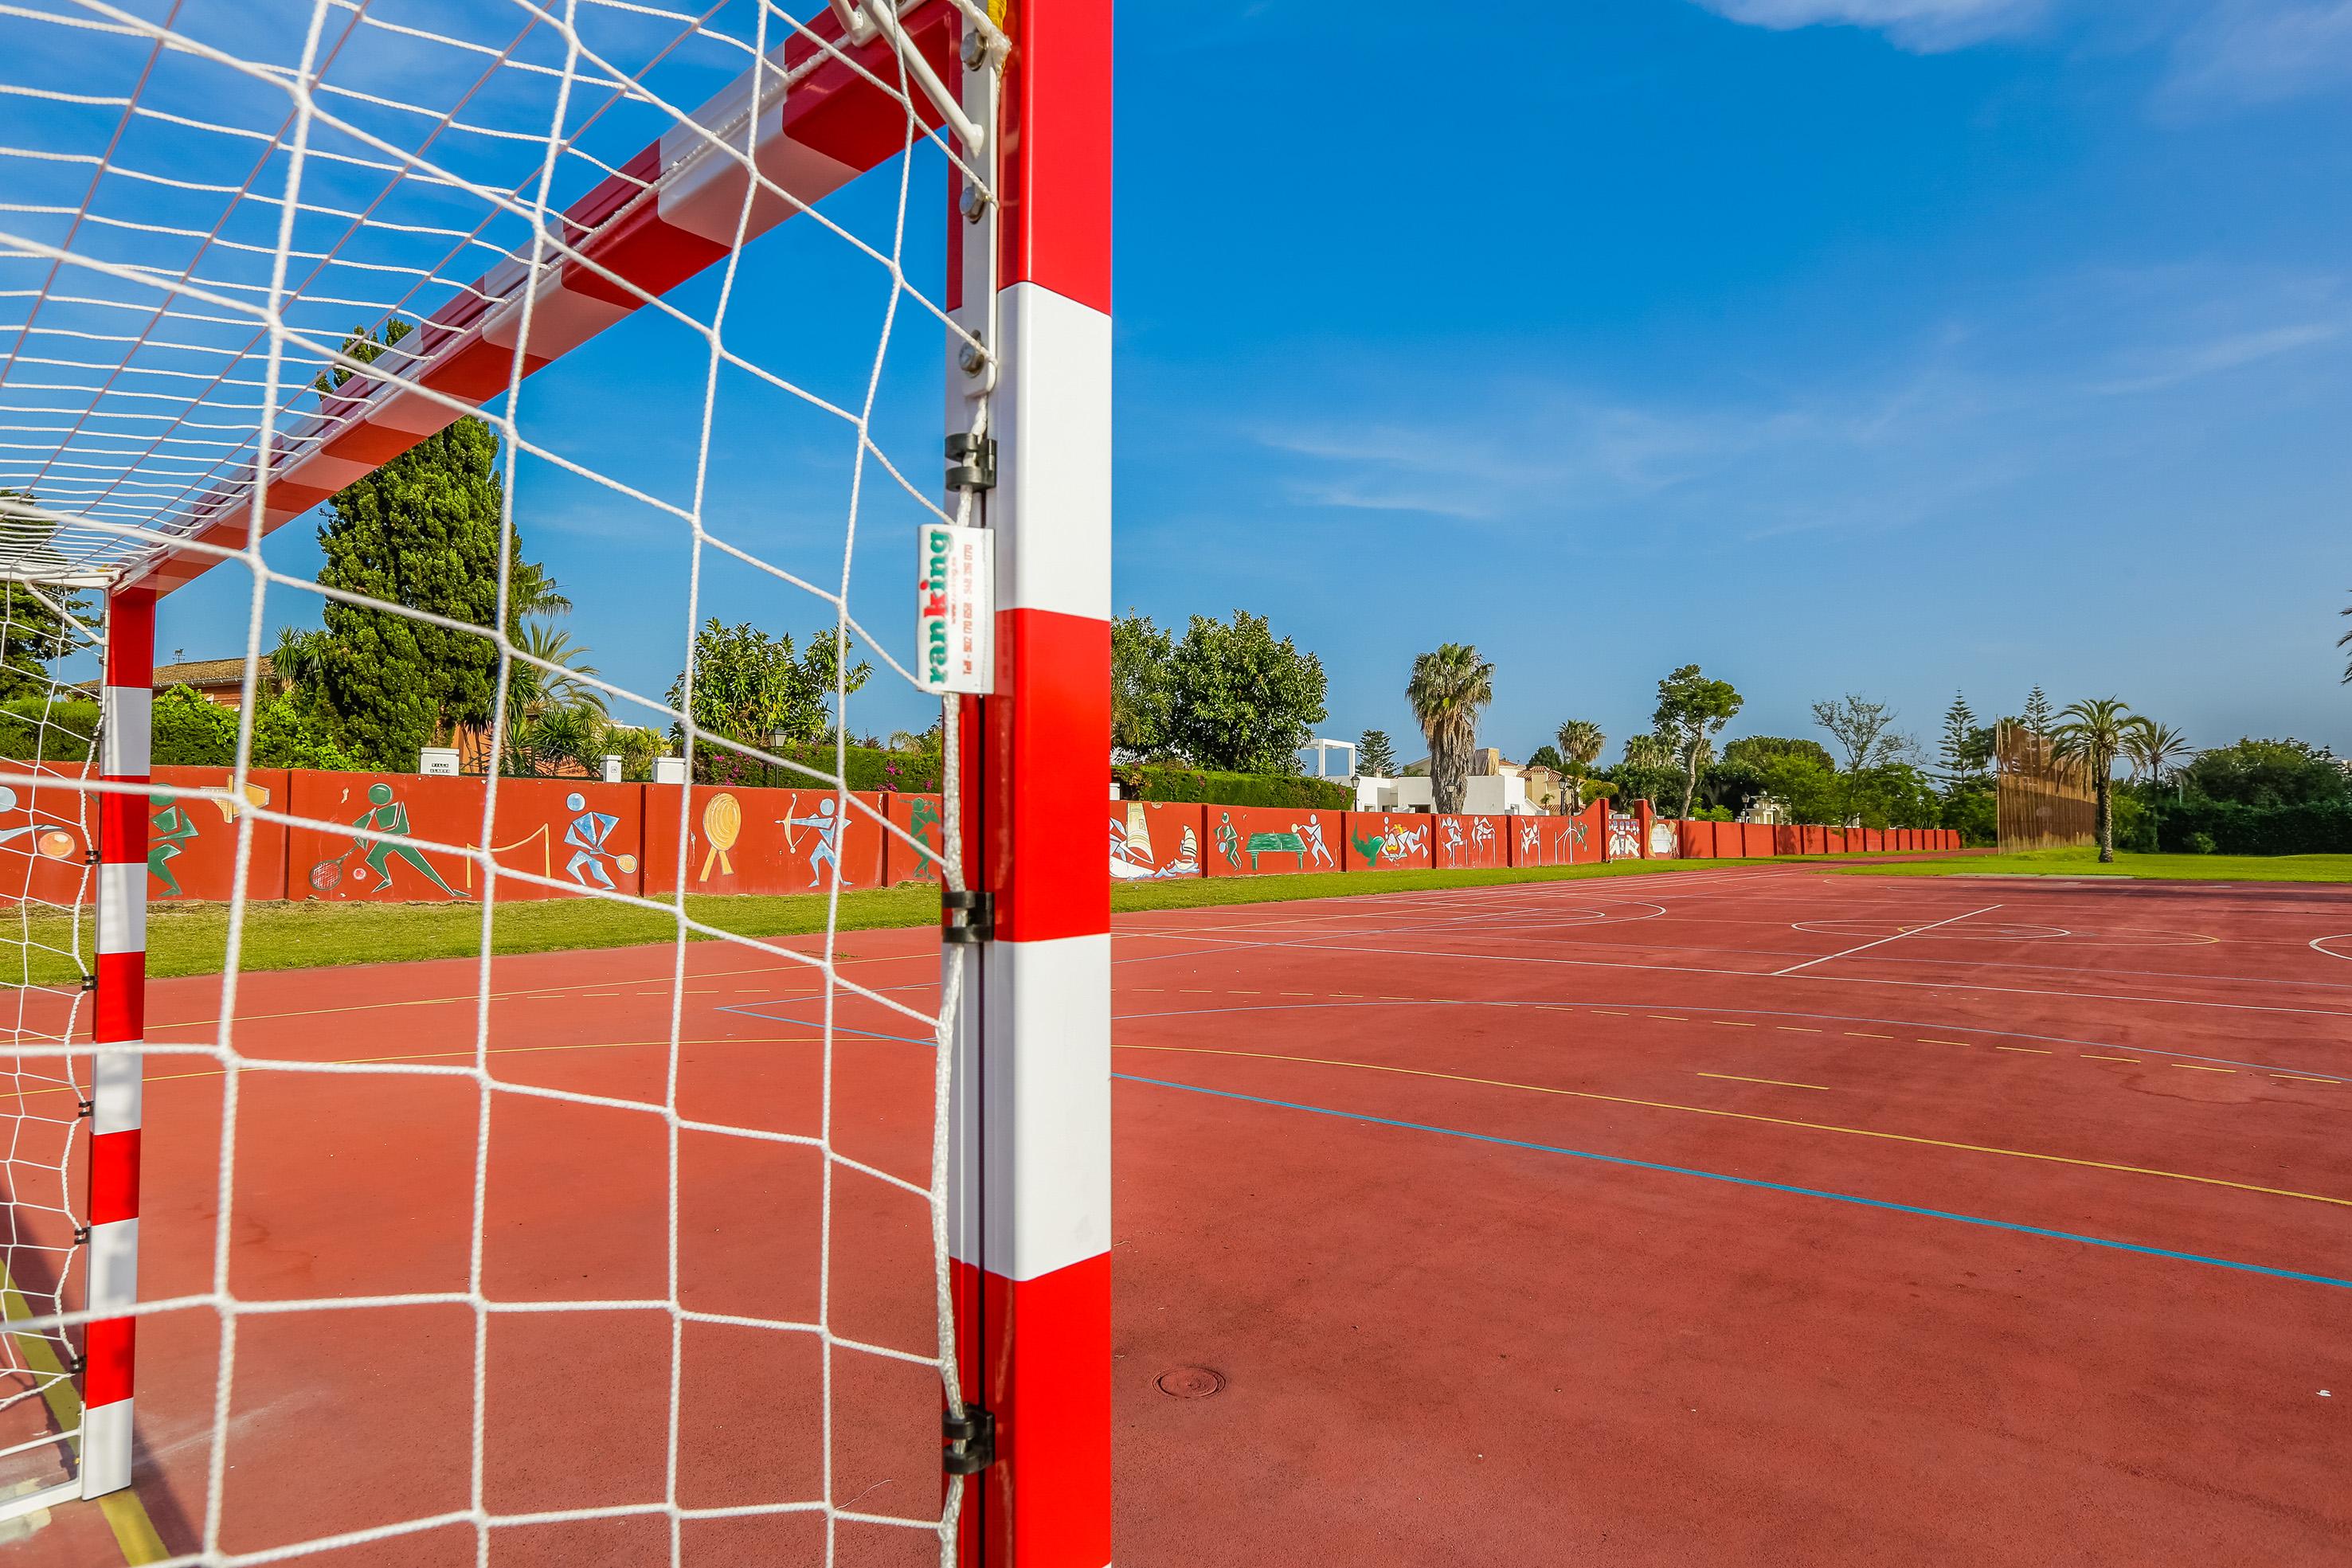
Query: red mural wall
1265 841
741 839
920 818
1559 840
594 837
191 844
1387 840
46 831
567 831
1468 840
1152 840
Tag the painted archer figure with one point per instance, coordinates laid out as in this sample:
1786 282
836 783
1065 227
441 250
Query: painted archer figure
828 840
174 829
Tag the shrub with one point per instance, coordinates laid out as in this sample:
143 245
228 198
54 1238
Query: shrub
36 729
192 732
2309 829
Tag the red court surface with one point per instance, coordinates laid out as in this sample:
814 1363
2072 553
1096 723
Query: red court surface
1740 1216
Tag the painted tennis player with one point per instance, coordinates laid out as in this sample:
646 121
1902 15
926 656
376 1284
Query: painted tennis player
828 840
387 815
586 836
1311 831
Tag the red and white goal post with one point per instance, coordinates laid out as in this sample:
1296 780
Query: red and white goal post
129 502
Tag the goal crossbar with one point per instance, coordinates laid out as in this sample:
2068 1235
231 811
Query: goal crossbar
822 109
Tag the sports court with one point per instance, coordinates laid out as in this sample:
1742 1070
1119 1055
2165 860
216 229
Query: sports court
1720 1216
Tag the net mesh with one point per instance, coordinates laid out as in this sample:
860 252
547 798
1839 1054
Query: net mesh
49 720
589 1257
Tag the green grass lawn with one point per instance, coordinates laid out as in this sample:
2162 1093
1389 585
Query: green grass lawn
2085 862
193 939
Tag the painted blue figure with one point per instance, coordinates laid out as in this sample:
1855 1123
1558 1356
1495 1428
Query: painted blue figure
586 835
828 840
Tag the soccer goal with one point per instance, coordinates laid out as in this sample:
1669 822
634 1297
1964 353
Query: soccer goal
592 347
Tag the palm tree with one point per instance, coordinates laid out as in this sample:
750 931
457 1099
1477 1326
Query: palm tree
2152 748
1580 743
2345 641
546 677
2092 733
1447 689
1649 751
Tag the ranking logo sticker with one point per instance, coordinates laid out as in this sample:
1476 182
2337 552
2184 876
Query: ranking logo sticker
955 609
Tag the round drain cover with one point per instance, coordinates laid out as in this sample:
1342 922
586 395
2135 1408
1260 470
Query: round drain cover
1191 1382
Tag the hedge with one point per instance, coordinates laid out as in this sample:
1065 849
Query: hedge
2231 829
866 768
64 738
1163 783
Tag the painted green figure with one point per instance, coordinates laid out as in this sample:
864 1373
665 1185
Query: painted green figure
1229 842
920 818
386 815
1369 848
174 829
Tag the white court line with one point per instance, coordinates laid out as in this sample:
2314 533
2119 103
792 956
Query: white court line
2319 944
1882 941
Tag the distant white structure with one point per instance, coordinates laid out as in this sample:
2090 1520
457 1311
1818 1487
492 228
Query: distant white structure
1492 794
1323 748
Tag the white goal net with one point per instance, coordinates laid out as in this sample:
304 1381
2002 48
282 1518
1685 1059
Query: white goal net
537 1115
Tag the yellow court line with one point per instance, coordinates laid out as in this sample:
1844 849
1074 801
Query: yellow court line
1729 1023
1751 1116
1604 1012
493 996
135 1535
2133 1059
1776 1083
2021 1050
439 1055
2192 1066
1925 1041
1795 1028
2296 1077
1858 1034
1670 1017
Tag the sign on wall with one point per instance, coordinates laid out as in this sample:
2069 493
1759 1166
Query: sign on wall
955 609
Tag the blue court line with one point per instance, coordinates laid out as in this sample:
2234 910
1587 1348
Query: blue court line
1750 1182
752 1010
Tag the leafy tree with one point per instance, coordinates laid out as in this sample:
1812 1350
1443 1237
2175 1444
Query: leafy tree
752 689
1580 743
1238 700
1648 771
1864 731
2092 733
1732 787
1375 755
2268 773
1762 750
1692 711
1547 757
1139 653
2038 717
1449 687
289 730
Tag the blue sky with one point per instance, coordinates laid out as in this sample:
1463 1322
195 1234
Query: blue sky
1882 345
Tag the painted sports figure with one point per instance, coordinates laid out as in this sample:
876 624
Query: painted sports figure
386 815
1311 831
828 840
174 829
586 835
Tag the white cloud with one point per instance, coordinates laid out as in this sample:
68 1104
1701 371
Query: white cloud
2262 51
1921 25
